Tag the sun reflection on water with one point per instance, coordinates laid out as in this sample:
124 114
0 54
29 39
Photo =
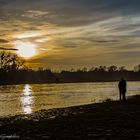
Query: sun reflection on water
27 99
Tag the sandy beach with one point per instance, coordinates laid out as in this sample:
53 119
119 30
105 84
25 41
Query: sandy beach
110 120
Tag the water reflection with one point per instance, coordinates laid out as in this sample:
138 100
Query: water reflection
48 96
27 99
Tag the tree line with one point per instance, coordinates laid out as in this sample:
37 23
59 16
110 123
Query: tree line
14 71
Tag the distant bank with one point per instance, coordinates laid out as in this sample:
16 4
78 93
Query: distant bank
47 76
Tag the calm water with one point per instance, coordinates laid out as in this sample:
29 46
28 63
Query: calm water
25 99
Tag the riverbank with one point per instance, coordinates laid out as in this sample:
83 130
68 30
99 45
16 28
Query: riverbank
63 82
103 121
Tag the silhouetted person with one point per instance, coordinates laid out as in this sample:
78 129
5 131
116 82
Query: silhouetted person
122 89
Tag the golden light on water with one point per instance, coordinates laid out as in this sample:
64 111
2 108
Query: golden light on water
27 100
26 49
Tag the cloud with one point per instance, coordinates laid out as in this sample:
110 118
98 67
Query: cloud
10 49
3 41
74 32
70 12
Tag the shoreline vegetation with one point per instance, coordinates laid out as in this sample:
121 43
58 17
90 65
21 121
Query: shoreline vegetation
48 77
44 76
14 71
101 121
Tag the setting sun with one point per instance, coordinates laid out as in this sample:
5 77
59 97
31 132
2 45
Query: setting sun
26 49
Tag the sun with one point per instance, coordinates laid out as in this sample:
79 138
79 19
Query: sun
25 49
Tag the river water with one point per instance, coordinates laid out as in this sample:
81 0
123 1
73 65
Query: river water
25 99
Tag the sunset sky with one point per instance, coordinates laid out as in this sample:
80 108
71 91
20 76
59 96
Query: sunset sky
61 34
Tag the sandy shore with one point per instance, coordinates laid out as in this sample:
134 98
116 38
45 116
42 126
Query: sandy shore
110 120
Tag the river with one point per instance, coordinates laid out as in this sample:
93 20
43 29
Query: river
25 99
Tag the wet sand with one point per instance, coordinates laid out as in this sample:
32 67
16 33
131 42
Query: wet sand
110 120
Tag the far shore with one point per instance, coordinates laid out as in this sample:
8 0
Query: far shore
34 83
110 120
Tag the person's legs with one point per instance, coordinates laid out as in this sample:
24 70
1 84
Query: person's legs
124 98
120 97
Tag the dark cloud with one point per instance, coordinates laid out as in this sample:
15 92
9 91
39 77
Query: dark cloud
71 12
3 41
10 49
107 41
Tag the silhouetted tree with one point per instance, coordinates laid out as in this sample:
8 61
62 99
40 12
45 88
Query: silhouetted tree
122 68
13 71
40 69
72 70
102 68
112 68
10 61
84 69
137 68
92 69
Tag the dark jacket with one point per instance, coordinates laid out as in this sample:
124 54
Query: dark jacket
122 87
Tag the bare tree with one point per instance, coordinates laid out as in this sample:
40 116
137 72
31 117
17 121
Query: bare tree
112 68
84 69
122 68
137 68
102 68
10 61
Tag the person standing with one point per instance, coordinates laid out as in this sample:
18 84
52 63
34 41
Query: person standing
122 89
